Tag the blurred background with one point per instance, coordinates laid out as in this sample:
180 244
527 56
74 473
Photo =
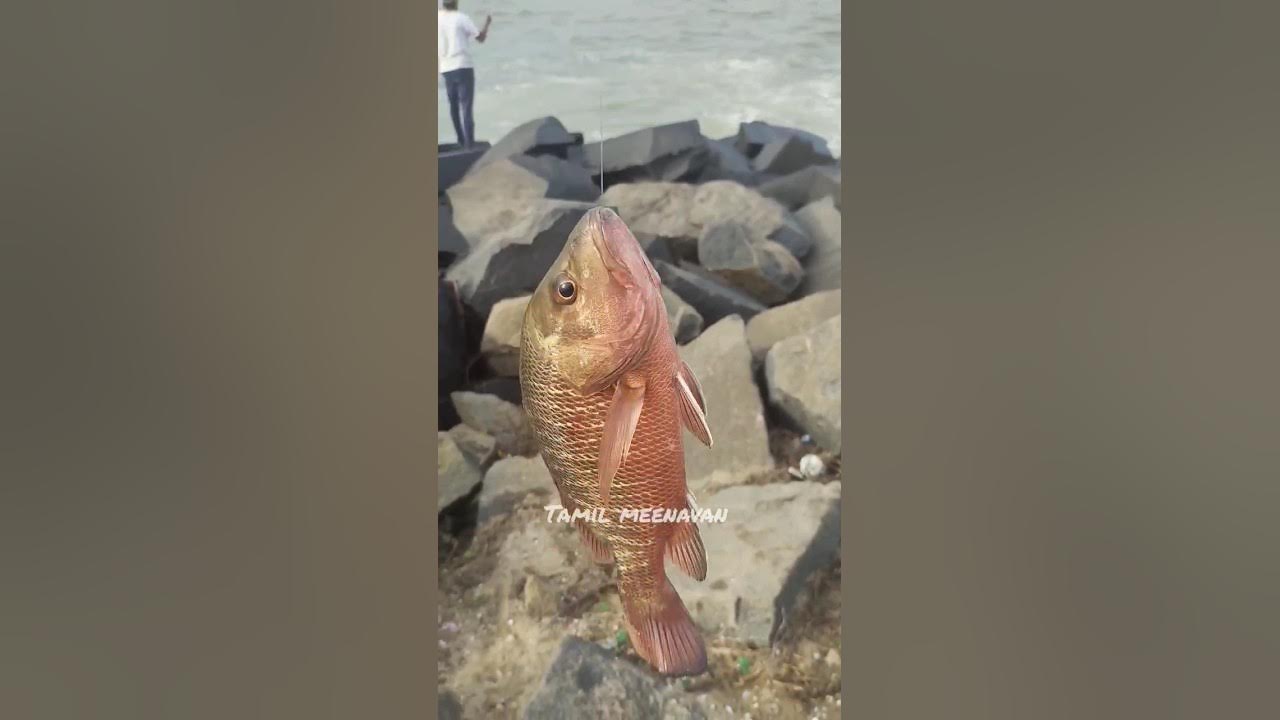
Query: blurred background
651 63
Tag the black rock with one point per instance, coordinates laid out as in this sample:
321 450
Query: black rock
507 388
655 153
748 261
788 154
726 162
588 681
723 201
683 166
753 136
532 138
709 295
805 186
512 259
657 248
683 320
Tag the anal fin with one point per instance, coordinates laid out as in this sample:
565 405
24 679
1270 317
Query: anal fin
686 551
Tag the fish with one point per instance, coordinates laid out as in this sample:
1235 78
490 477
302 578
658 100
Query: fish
609 398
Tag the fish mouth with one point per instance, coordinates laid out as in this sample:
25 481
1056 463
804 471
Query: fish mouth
618 248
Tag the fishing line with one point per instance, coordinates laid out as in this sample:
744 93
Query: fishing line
602 140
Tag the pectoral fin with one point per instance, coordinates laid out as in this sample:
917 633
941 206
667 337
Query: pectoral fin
693 407
619 427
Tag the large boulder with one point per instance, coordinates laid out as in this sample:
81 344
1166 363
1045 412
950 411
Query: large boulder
497 195
525 139
802 187
506 423
781 322
656 212
456 474
726 162
511 262
709 295
719 358
802 374
773 539
724 201
509 481
479 447
665 152
589 682
500 344
684 321
453 162
821 221
753 136
677 213
748 261
787 154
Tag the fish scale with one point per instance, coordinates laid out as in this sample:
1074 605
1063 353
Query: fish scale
620 306
571 427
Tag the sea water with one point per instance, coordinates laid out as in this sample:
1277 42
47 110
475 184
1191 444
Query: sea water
628 65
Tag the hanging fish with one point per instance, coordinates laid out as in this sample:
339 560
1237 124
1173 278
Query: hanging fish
608 398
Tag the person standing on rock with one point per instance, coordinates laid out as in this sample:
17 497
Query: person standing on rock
456 31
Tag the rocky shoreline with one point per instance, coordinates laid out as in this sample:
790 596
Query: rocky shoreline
745 234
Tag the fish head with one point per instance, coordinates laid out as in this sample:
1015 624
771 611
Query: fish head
599 308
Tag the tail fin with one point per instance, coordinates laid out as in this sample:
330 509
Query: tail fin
664 634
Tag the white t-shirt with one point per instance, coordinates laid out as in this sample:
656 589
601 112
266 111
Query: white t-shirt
456 32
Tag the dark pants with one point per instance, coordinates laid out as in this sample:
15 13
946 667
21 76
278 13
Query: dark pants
460 84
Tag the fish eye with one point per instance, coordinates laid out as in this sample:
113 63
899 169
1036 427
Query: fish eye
566 290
